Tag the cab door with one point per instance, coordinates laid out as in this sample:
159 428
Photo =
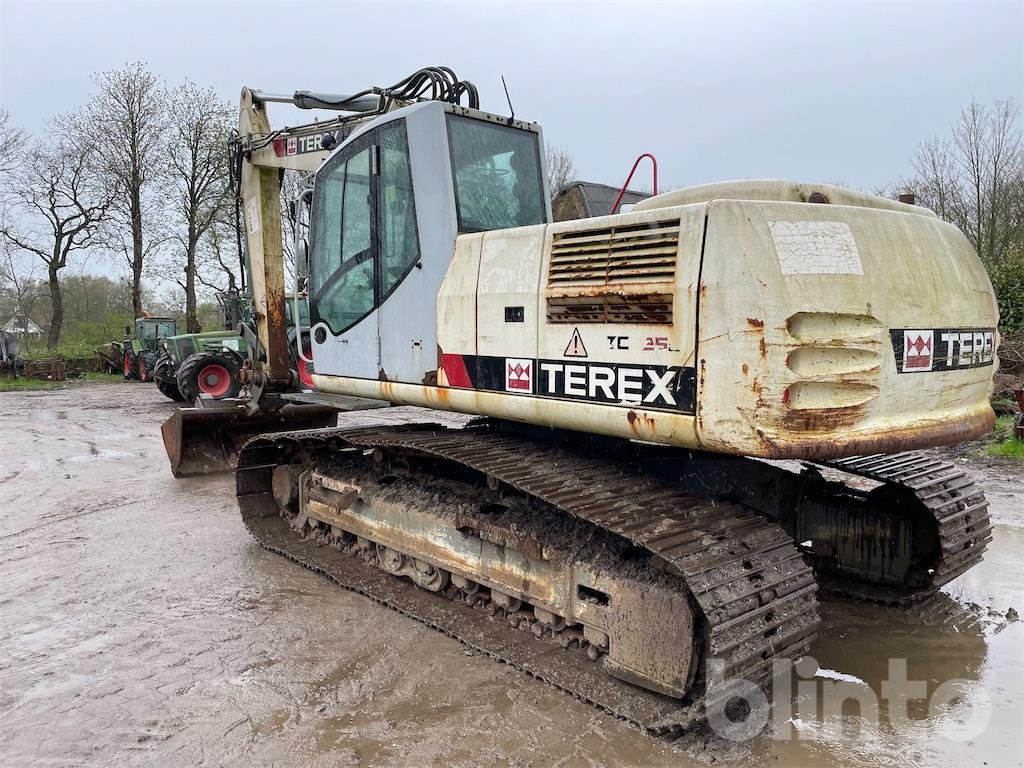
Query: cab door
343 259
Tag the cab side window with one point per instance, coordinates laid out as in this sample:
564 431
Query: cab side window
342 257
363 233
397 240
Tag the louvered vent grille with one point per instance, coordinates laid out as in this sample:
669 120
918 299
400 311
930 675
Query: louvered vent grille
651 309
631 253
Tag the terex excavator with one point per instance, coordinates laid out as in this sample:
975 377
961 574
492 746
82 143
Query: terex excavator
637 377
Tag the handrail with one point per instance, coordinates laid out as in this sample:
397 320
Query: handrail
629 178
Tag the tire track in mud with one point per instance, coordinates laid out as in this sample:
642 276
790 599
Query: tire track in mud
76 515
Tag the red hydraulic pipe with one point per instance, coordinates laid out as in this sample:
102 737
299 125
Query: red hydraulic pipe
654 170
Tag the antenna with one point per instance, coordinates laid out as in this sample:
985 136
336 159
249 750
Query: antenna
511 109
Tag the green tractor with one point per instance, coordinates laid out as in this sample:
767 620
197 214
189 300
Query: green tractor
136 355
193 365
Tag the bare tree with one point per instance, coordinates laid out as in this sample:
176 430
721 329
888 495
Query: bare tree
293 182
125 121
197 177
19 285
975 178
62 209
12 144
561 172
222 248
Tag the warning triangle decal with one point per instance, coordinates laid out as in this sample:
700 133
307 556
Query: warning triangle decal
575 348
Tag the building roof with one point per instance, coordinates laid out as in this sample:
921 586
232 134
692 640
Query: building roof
599 198
21 324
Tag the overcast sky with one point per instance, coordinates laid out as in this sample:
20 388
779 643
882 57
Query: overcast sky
808 91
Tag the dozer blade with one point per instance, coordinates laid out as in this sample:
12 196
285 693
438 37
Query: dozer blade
206 441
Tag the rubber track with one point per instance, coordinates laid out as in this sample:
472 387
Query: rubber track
957 505
756 593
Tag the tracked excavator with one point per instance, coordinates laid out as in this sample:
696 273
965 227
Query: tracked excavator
691 417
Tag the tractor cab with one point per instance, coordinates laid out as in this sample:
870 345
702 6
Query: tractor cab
236 309
150 330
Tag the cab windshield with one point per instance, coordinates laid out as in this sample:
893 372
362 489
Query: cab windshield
151 330
497 174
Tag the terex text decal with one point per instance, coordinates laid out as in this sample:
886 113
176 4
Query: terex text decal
653 387
942 349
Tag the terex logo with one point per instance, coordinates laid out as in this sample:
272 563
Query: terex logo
650 386
918 347
518 375
943 349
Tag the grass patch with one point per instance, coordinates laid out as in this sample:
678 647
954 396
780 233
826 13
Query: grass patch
27 385
94 376
1004 442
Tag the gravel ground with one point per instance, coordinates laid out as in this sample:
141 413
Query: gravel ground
139 624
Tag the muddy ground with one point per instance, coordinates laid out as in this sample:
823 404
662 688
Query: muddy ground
139 624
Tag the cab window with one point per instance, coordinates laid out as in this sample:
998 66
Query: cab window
150 330
396 229
364 240
497 175
342 258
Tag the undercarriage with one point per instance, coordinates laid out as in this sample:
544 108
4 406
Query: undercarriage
617 571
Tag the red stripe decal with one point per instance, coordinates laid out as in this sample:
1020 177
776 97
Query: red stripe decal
454 367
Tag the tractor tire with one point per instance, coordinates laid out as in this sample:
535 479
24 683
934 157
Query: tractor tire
170 390
209 373
129 365
146 361
166 382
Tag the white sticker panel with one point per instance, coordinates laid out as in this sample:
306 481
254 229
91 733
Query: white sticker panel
816 248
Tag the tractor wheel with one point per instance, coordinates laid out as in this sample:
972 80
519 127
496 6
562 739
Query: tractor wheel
129 365
209 373
146 363
169 389
166 382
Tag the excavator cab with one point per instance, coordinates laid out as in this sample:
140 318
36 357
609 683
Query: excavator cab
387 207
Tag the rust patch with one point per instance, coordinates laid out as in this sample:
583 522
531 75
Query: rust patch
698 406
277 334
442 395
763 347
647 426
822 419
753 322
811 446
598 304
758 389
746 369
430 379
